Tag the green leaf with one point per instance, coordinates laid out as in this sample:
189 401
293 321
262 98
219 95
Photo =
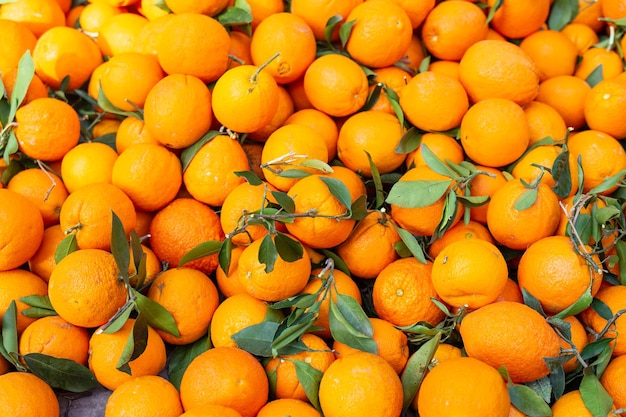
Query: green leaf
301 301
310 378
579 305
473 200
557 381
338 190
344 32
224 255
344 332
188 153
65 247
317 165
11 146
353 313
416 194
9 329
528 401
596 348
542 387
562 175
339 263
155 314
181 356
378 184
284 201
437 164
595 76
288 249
595 397
235 16
526 200
135 345
257 339
358 209
620 250
411 243
532 302
120 318
562 12
251 177
331 24
25 72
449 213
602 309
493 10
37 301
410 141
294 173
108 107
291 330
268 253
36 312
60 373
373 97
119 247
210 247
416 369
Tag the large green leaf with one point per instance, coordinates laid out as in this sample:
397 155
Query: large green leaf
61 373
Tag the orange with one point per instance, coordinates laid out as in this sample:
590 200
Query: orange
603 105
44 189
390 79
543 121
288 407
105 350
118 33
104 127
403 291
37 15
602 157
233 314
239 53
179 227
469 273
153 266
566 94
449 68
499 69
494 132
22 229
206 7
132 131
513 335
283 111
612 64
518 19
144 395
42 262
453 387
461 231
191 298
178 110
228 283
87 163
380 35
248 89
414 56
85 289
391 344
317 12
485 184
226 376
210 175
444 352
612 380
581 35
46 129
5 366
376 133
336 85
17 283
370 247
452 27
321 123
353 182
18 39
87 212
511 292
613 9
290 35
317 354
36 88
341 284
286 279
423 104
312 195
185 41
95 14
579 339
588 13
543 266
552 51
342 388
49 335
571 404
423 221
517 228
612 296
211 410
527 168
417 10
27 395
290 147
260 9
134 173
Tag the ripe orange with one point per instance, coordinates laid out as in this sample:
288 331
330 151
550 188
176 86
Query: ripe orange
206 7
499 69
105 350
17 283
552 51
483 130
42 262
85 288
513 335
27 395
443 146
44 189
571 404
144 395
179 227
185 42
49 335
603 106
239 53
22 229
613 9
211 410
581 35
283 111
376 133
118 33
612 64
453 387
567 95
37 15
47 129
485 185
104 127
421 100
18 38
460 232
588 13
87 212
613 297
321 123
452 27
344 383
147 40
87 163
288 407
518 19
285 280
543 121
517 228
469 273
402 293
380 35
228 283
95 14
417 10
391 78
132 131
511 292
191 298
527 167
36 88
612 378
449 68
414 56
318 355
336 85
290 35
260 9
226 376
317 12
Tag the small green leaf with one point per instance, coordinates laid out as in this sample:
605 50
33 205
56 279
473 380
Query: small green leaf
119 319
317 165
608 183
188 153
65 247
620 250
210 247
294 173
251 177
378 184
119 247
36 312
596 348
344 32
301 301
595 76
284 201
493 10
562 12
528 401
410 141
331 24
288 249
449 213
373 97
562 175
542 387
416 194
38 301
595 397
310 378
602 309
235 16
416 369
354 314
25 72
338 190
268 253
257 339
224 255
437 164
532 302
358 208
155 314
9 329
473 200
60 373
411 243
344 332
181 356
526 200
135 345
557 381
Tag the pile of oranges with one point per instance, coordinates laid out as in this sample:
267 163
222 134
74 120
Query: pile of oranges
314 208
